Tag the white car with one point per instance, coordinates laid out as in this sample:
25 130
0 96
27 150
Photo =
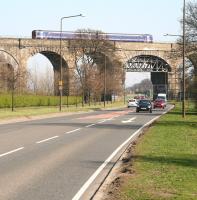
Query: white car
132 103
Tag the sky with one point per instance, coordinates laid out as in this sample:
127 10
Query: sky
156 17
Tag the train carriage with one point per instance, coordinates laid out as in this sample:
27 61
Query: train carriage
44 34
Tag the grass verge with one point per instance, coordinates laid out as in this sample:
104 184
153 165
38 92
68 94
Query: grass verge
6 113
165 161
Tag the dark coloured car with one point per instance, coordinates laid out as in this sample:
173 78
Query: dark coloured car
159 103
144 105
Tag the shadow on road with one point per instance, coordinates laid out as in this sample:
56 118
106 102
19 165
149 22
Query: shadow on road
94 163
100 126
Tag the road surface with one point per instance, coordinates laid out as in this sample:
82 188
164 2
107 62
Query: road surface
64 158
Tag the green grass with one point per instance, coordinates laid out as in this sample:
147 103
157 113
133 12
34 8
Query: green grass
165 160
6 113
28 100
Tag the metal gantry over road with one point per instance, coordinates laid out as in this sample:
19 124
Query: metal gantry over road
147 63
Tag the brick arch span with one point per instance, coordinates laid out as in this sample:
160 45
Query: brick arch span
108 70
54 58
7 57
9 66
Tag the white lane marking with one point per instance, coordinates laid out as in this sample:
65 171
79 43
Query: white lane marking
129 120
73 131
45 140
9 152
110 119
90 125
97 172
102 121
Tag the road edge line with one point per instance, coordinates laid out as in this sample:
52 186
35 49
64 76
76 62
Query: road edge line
85 186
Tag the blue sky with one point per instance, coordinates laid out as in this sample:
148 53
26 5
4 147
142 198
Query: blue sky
156 17
20 17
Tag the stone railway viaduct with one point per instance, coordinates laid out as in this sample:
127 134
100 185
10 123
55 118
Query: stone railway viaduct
135 57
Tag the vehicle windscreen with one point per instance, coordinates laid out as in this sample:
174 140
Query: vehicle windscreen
161 97
144 102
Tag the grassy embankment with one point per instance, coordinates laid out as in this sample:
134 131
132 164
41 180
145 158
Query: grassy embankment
165 160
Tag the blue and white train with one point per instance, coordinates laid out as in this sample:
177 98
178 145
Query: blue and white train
44 34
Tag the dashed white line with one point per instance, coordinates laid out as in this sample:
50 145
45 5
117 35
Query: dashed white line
90 125
45 140
73 131
9 152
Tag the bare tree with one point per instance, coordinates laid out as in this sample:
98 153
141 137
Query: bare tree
32 82
11 79
190 47
191 42
5 71
191 22
145 86
92 53
40 83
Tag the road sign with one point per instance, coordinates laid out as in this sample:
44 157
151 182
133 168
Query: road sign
60 83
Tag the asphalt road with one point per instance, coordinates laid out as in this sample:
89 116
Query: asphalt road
63 158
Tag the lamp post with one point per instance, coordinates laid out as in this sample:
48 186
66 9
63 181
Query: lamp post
60 81
124 68
104 82
183 52
183 101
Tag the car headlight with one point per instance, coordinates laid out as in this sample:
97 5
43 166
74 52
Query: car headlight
149 106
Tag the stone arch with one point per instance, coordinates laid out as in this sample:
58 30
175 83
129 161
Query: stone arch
8 67
54 58
111 72
7 57
106 68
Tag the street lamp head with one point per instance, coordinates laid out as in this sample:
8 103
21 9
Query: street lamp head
176 35
80 15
